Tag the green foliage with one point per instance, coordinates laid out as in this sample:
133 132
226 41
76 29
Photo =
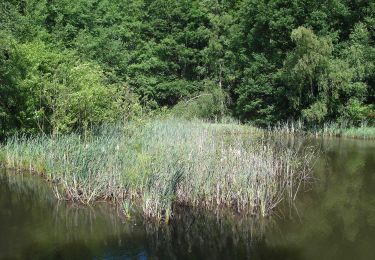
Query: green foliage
324 87
315 113
256 101
209 104
275 61
356 112
305 65
13 96
57 92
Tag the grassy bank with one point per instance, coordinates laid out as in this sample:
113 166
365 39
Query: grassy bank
362 132
328 130
167 162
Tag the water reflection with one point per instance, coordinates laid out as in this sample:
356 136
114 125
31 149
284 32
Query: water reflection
337 215
39 227
333 219
35 225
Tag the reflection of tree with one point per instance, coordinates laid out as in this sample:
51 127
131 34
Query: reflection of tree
338 213
220 237
32 219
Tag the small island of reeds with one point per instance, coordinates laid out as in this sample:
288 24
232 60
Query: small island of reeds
162 163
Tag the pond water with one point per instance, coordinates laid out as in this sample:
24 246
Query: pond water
334 218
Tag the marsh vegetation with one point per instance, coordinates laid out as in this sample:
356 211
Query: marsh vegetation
163 163
346 130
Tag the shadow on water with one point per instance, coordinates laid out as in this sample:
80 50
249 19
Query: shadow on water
334 218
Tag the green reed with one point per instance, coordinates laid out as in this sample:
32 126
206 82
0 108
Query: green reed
363 131
163 163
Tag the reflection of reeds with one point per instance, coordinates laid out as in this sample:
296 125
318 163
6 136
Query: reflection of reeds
168 162
99 226
216 233
21 184
62 221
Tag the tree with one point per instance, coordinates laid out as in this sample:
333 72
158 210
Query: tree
304 66
13 97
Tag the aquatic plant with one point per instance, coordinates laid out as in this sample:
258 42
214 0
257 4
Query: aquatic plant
168 162
363 131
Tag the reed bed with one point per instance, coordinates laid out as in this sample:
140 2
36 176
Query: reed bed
163 163
363 131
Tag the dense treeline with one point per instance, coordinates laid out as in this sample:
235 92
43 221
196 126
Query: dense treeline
69 64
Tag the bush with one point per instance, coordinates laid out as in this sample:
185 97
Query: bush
356 112
210 104
316 113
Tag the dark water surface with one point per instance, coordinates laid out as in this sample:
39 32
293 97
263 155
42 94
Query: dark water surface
334 219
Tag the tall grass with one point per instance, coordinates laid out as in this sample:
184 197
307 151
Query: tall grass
167 162
363 131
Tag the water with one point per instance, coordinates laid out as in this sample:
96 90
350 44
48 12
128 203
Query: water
334 218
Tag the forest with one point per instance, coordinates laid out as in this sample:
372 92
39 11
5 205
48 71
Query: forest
68 65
